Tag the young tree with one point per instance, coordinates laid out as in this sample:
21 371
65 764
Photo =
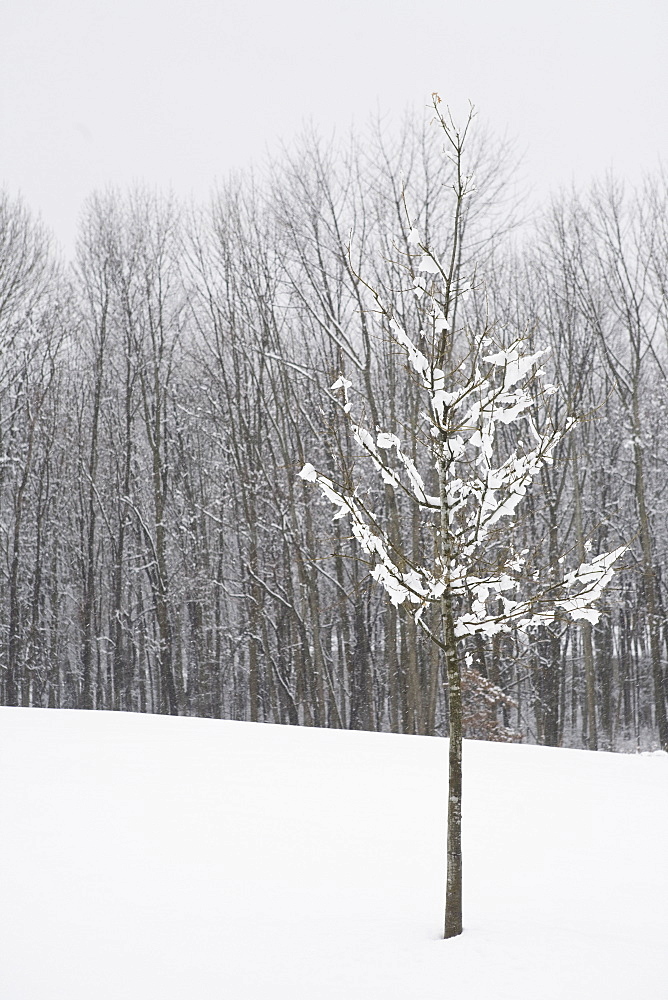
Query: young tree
490 425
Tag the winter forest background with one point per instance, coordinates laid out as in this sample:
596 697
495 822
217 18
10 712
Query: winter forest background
158 398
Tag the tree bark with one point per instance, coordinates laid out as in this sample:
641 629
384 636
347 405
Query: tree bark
453 891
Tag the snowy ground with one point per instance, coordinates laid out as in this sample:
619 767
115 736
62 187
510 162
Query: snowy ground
148 858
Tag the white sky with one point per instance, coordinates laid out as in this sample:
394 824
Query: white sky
177 92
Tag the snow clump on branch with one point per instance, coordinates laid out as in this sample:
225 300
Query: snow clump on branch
478 494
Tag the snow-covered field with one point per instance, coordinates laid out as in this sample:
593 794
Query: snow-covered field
150 858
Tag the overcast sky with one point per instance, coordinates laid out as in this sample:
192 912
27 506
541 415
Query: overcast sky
178 93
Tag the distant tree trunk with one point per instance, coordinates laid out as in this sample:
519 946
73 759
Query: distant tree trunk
587 645
360 688
89 592
649 579
121 662
14 679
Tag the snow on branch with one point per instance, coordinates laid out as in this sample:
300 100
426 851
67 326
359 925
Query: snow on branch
514 363
374 541
481 483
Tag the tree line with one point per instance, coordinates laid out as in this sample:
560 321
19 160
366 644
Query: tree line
159 396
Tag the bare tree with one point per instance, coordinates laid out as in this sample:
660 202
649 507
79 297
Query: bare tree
480 484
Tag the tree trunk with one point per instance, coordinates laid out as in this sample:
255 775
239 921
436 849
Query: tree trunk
587 645
453 891
650 586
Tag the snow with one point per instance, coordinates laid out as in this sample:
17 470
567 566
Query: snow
429 265
150 858
514 362
308 473
473 509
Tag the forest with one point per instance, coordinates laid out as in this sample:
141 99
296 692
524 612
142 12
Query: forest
160 393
